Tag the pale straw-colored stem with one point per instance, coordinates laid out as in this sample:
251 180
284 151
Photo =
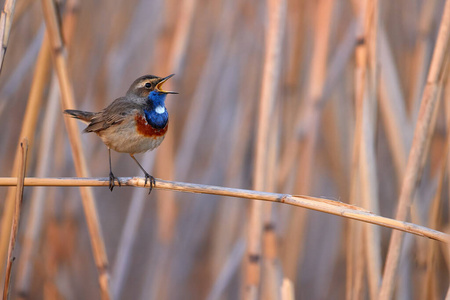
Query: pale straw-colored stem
308 123
16 218
276 11
418 150
164 165
38 197
67 101
367 164
355 254
319 204
230 267
40 77
430 290
6 19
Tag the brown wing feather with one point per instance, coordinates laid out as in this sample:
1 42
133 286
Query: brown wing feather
114 114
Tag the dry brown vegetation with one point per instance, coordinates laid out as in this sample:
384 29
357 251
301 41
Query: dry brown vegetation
344 102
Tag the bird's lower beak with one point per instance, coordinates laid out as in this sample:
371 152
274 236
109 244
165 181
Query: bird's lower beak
159 85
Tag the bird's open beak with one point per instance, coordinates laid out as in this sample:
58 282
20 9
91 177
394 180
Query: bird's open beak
161 82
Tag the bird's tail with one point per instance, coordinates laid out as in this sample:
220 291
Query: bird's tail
85 116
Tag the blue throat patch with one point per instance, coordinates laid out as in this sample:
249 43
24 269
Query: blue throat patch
156 120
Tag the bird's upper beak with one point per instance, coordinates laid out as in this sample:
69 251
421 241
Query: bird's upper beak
161 82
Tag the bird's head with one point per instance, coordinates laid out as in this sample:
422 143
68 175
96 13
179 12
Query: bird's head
147 84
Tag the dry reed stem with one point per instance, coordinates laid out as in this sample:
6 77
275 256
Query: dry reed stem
35 97
272 277
130 229
446 250
67 101
417 152
165 163
230 268
167 206
35 218
319 204
392 107
182 34
6 19
128 237
355 254
231 214
16 218
338 62
311 114
435 218
421 54
367 164
204 92
287 290
23 69
308 123
369 195
276 10
37 199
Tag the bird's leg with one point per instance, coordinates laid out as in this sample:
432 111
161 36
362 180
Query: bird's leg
112 178
147 176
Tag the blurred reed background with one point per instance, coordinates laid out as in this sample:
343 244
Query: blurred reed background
316 98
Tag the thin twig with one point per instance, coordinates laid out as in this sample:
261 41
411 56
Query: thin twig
319 204
15 223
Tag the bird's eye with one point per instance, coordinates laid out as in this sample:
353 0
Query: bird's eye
148 85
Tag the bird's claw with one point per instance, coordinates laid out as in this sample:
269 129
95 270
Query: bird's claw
152 182
112 179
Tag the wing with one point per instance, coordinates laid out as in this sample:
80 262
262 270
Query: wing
112 115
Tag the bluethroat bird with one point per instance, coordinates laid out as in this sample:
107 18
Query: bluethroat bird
132 124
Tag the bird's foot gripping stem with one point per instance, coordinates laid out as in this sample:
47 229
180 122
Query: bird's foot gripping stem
112 180
152 181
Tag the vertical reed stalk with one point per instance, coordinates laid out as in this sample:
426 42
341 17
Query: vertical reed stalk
355 254
38 204
60 63
35 97
367 164
276 10
6 19
416 156
37 201
16 218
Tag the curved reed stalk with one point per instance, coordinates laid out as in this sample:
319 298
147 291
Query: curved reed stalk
319 204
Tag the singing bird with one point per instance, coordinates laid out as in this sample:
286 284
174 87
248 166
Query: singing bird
131 124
